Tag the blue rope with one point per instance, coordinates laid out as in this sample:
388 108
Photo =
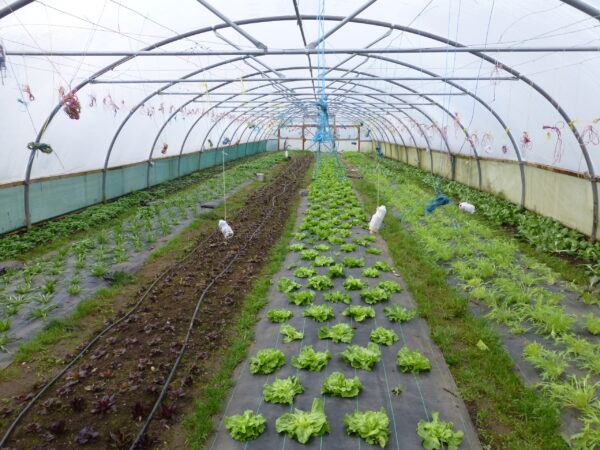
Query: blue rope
440 200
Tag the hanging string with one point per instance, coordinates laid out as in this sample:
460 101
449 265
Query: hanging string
224 187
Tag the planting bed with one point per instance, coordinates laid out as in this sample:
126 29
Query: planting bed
136 370
48 287
550 326
330 250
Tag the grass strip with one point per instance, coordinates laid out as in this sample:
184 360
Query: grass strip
507 414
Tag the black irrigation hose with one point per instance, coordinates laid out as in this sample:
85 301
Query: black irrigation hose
86 349
94 340
163 392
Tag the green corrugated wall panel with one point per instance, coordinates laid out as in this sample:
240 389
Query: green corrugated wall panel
125 179
54 197
207 159
51 198
12 214
163 170
189 163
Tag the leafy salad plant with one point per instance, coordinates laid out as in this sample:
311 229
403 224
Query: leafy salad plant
398 313
290 333
383 336
302 298
267 361
319 283
362 357
309 359
372 426
338 385
359 312
283 390
337 297
286 285
279 315
319 313
245 427
438 434
414 362
302 425
341 332
354 284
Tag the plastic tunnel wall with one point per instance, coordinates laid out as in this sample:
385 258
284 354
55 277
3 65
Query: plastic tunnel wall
492 94
545 187
53 197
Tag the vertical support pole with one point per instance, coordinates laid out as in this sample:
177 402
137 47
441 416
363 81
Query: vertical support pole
303 136
278 139
358 136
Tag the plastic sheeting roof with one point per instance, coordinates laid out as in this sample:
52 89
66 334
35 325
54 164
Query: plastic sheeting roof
502 79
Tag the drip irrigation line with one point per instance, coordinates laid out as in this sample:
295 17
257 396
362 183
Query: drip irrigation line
87 348
163 392
94 341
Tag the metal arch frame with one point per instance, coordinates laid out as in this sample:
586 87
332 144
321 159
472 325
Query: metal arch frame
213 107
481 55
365 94
121 61
217 87
139 105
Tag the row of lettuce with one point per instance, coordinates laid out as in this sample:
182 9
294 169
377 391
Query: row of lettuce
516 290
327 230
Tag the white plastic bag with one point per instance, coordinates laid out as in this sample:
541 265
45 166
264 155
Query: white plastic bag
377 219
225 229
466 207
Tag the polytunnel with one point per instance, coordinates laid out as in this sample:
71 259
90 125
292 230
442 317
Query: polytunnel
124 123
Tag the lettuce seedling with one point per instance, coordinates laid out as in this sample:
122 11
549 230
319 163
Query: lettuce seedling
383 266
286 285
414 362
302 425
338 385
283 390
336 271
308 359
370 273
290 333
348 248
309 254
267 361
372 426
351 262
390 286
383 336
302 298
341 332
279 315
354 284
245 427
322 248
362 357
438 435
320 282
305 272
337 297
373 251
296 247
323 261
397 313
319 313
359 312
374 295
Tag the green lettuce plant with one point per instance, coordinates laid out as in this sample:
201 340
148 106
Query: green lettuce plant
309 359
372 426
338 385
302 425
